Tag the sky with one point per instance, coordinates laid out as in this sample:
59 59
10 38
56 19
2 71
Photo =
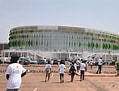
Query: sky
94 14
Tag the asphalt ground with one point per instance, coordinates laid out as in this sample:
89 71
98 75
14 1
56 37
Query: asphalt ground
35 80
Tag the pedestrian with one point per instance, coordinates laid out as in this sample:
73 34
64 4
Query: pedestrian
91 64
72 71
47 71
86 63
62 68
78 65
14 73
99 66
117 67
82 70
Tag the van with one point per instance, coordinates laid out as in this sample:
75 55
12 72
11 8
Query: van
4 60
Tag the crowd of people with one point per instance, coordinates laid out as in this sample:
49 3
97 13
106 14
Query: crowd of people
15 71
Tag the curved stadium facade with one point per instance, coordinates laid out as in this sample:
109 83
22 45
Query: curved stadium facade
62 42
62 38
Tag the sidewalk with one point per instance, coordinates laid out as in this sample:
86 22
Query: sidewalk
88 74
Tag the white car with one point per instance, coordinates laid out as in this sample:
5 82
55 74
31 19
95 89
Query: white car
5 59
26 61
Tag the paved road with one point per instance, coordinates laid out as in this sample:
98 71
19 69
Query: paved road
35 82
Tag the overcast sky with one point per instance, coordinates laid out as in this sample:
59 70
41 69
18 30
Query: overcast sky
95 14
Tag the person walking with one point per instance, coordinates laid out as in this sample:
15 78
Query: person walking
117 67
72 71
78 64
62 68
14 73
47 71
91 64
82 70
99 66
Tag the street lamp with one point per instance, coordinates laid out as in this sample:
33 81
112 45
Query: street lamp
101 46
3 53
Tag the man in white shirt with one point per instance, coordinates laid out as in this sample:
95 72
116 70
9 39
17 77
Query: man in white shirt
91 64
61 71
78 65
48 71
99 65
82 70
14 73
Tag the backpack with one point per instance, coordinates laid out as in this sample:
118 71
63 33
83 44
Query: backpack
72 68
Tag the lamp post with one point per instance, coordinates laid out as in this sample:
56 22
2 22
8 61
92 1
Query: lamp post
3 52
101 46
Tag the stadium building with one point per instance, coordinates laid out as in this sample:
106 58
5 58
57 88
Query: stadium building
63 39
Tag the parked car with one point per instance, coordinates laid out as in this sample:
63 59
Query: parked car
33 62
1 61
109 62
4 60
41 61
55 61
24 60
